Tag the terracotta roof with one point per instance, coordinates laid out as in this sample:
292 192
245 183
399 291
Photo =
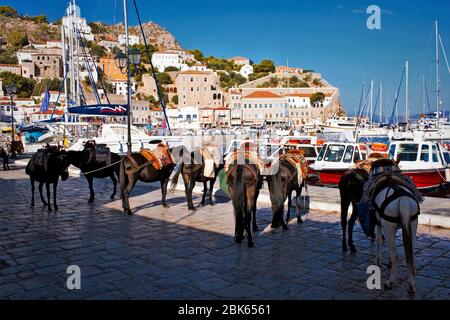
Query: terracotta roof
10 65
262 94
222 108
194 72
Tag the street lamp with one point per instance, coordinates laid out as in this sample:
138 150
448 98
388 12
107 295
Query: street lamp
123 62
11 90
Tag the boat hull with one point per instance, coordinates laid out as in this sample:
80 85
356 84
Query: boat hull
425 180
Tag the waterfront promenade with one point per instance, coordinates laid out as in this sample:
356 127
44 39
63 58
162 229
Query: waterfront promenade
176 254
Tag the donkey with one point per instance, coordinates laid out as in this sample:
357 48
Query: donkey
281 186
396 206
351 186
57 164
192 170
86 162
135 167
244 182
5 153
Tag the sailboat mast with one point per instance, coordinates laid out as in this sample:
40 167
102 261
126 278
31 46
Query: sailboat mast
437 74
371 101
423 94
406 91
381 103
64 58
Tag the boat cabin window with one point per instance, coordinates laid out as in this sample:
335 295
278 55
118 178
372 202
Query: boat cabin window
407 152
334 153
308 152
434 154
322 153
392 151
357 156
447 157
425 153
349 154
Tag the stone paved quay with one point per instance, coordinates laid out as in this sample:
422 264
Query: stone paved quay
174 254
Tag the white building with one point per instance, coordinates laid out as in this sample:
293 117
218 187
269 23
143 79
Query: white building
131 39
240 61
246 70
121 87
82 25
164 59
108 44
188 118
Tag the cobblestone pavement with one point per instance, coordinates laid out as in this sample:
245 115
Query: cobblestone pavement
174 254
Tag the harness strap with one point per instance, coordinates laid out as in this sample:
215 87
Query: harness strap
398 192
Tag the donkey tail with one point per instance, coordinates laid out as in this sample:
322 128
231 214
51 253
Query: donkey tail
240 194
176 175
408 241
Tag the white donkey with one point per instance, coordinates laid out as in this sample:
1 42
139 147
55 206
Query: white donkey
397 206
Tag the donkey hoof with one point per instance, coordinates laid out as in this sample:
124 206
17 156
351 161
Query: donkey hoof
353 249
299 220
191 208
411 289
285 227
212 203
202 203
91 200
255 228
32 204
237 239
344 248
165 205
56 208
50 209
127 211
112 196
251 244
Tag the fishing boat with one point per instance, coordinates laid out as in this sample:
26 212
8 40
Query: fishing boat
427 163
335 158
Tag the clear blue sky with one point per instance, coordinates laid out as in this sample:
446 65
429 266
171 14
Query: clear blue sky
327 36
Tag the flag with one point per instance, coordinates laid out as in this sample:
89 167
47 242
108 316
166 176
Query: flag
46 101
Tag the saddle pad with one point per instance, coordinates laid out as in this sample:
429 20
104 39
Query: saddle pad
209 168
246 157
160 156
150 156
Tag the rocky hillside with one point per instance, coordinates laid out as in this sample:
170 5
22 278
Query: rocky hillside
38 30
155 34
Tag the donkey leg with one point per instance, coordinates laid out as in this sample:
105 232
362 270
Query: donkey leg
164 183
32 192
298 194
351 224
390 231
114 181
90 180
190 186
288 214
41 184
47 187
255 225
344 212
411 266
125 194
205 190
379 259
55 186
210 192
